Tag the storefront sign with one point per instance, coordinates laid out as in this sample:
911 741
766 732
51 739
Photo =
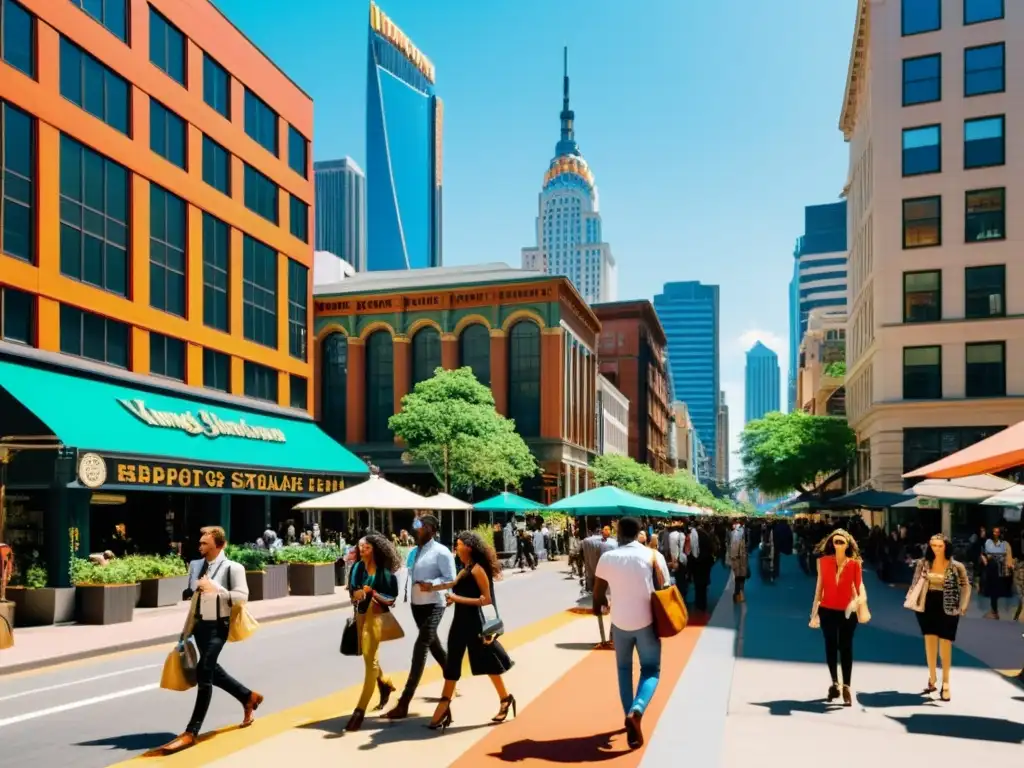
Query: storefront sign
149 474
418 302
201 423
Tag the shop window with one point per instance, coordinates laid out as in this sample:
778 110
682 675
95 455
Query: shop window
298 392
475 351
922 296
260 382
426 354
298 152
922 222
922 79
334 386
216 86
922 373
112 14
166 356
298 315
985 289
298 218
259 292
986 369
260 122
17 37
168 135
985 142
920 16
985 69
17 316
985 215
216 370
93 218
167 234
922 446
166 46
380 386
524 377
216 166
260 194
95 337
978 11
17 183
216 266
922 151
94 87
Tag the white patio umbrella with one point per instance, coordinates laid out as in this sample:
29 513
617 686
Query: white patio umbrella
973 489
1011 497
444 502
373 494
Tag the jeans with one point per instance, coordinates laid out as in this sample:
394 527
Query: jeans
838 632
210 637
648 648
427 617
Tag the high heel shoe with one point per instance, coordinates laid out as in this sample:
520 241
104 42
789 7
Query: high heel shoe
930 688
945 695
847 696
356 721
385 688
445 720
509 702
833 692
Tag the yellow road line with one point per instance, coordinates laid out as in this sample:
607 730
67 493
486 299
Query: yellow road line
232 739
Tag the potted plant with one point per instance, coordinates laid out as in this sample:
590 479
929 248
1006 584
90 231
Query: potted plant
267 579
37 604
310 568
105 594
162 580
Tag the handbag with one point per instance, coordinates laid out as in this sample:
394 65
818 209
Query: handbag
913 601
491 625
350 637
176 676
667 606
390 629
241 625
859 605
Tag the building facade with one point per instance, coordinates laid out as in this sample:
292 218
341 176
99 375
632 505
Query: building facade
761 377
404 131
685 438
527 336
822 364
935 336
154 278
688 312
568 225
612 419
632 357
341 210
722 441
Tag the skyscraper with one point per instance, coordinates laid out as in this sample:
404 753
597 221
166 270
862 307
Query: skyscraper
404 125
762 382
722 441
568 226
689 314
341 210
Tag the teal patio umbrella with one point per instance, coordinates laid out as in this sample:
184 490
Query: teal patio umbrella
609 500
508 502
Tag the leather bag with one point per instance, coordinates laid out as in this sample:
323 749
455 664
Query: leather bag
390 629
350 637
175 677
491 623
667 605
241 625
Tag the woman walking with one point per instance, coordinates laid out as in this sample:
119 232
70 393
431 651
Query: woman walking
940 593
373 589
472 589
737 560
997 560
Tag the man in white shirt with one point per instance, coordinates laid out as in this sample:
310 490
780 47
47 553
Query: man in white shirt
629 573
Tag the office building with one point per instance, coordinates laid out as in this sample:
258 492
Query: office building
404 130
821 375
612 419
935 336
688 312
761 379
568 225
722 441
340 207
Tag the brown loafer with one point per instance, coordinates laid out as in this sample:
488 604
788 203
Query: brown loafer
184 741
255 699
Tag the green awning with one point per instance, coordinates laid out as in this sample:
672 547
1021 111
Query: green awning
609 500
107 417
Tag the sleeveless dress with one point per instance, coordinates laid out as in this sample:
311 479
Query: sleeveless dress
464 637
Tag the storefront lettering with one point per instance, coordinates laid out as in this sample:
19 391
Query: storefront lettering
205 479
201 423
462 299
518 294
374 304
422 302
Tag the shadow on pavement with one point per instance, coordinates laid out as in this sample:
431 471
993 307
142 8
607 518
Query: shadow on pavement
382 731
891 699
131 742
964 727
786 707
578 749
585 646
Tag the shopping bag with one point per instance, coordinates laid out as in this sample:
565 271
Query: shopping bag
242 625
667 606
175 677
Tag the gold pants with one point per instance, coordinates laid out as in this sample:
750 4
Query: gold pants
369 625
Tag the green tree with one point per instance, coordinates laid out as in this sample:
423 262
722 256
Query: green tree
449 423
681 487
794 451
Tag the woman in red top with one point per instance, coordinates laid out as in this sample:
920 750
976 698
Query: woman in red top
839 583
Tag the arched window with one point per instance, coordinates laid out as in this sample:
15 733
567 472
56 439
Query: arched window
475 351
334 385
524 377
380 386
426 354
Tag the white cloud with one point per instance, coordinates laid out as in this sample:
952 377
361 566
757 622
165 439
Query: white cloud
776 343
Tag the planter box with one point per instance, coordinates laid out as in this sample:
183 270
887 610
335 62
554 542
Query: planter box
105 604
270 584
309 579
43 607
6 625
156 593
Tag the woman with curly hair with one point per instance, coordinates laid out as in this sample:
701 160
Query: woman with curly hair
373 589
472 589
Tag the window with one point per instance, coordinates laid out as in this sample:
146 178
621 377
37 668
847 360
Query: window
100 91
922 150
524 377
166 46
985 69
921 16
298 392
922 79
922 222
112 14
298 152
216 263
17 316
923 446
985 142
95 337
260 122
168 222
334 386
985 291
166 356
17 37
260 194
298 218
260 382
922 297
298 316
475 351
426 354
922 373
259 292
93 218
216 370
380 386
216 86
985 215
216 166
977 11
17 183
986 369
168 136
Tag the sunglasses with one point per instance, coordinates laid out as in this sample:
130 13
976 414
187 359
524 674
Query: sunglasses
839 542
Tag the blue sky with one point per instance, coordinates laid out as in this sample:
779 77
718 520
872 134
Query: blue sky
708 125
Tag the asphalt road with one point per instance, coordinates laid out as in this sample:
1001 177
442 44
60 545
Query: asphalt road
97 713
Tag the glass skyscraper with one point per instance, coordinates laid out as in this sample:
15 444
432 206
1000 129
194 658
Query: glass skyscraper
404 126
689 314
761 385
341 210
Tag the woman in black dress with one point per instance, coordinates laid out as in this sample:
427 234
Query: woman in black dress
472 589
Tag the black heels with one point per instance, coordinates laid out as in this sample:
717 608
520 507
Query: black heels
356 721
385 688
833 693
945 695
930 688
509 702
445 720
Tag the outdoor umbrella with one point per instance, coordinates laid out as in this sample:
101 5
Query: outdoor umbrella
375 493
974 489
1004 450
508 502
1011 497
444 502
609 500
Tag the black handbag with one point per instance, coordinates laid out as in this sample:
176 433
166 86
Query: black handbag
491 625
350 637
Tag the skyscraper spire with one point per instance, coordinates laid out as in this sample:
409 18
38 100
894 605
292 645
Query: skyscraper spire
567 142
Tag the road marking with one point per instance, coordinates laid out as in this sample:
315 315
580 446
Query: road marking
76 705
58 686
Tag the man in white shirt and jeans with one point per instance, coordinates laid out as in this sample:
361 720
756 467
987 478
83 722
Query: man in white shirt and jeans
628 573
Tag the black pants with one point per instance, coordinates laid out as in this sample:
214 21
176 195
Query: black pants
427 617
682 577
838 631
529 555
701 580
210 638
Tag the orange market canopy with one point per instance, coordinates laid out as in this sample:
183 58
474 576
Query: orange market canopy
1003 451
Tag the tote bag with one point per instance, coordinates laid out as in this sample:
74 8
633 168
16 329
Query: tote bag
667 606
913 601
350 637
242 625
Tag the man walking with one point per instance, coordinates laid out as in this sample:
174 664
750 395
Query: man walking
703 559
628 572
434 564
220 584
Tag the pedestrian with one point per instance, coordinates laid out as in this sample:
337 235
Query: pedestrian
373 589
220 583
433 565
737 559
703 560
997 560
471 590
628 572
939 593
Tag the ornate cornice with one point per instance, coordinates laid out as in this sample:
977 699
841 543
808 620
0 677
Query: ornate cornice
856 73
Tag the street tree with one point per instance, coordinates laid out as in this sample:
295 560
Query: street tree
680 486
